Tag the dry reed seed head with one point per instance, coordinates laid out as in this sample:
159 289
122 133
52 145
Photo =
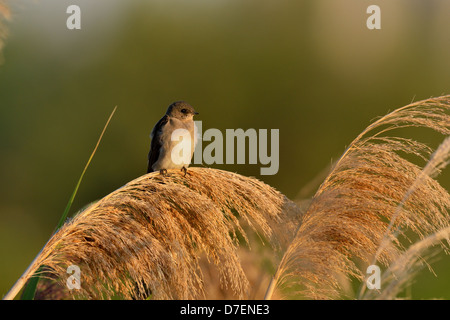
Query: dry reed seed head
146 237
405 267
5 14
349 216
257 264
50 289
439 159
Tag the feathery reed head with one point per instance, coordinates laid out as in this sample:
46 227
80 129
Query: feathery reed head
350 214
146 237
406 266
5 14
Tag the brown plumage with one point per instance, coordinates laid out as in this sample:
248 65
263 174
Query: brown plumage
179 115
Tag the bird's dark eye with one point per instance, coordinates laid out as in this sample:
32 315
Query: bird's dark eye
183 110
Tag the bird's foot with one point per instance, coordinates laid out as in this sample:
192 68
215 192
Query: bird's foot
163 172
184 170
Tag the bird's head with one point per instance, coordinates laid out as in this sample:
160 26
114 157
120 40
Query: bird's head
181 110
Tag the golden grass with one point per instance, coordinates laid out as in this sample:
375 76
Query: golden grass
159 234
350 215
5 14
405 267
148 235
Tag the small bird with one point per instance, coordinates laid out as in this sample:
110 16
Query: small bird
179 115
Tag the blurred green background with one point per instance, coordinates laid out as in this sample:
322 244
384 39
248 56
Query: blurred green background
309 68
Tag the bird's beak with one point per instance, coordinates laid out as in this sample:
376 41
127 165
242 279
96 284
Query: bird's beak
195 112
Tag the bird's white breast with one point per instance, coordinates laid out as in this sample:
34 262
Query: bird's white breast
178 143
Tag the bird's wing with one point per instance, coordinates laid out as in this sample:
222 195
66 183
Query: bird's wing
156 143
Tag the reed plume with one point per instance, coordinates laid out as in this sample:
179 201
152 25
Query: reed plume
5 14
149 238
438 161
408 264
350 214
145 238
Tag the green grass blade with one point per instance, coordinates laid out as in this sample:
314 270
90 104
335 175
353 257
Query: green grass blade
72 198
30 288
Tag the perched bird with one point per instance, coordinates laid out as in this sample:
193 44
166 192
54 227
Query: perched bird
166 149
